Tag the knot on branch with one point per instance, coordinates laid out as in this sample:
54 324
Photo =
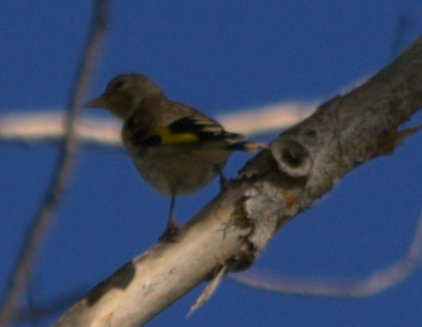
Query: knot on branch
292 158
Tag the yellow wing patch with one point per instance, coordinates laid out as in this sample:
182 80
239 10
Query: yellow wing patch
168 137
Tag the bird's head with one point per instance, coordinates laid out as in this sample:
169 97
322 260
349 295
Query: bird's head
124 93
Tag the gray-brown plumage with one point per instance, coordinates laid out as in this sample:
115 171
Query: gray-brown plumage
176 148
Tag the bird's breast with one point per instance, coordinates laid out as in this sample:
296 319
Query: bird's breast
180 169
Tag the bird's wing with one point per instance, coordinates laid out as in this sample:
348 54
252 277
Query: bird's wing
176 123
184 124
199 128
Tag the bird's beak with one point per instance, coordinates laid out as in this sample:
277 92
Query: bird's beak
100 102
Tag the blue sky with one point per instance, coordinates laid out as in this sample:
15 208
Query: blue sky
218 56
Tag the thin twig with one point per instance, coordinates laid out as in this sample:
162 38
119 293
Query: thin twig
54 305
370 285
404 25
22 272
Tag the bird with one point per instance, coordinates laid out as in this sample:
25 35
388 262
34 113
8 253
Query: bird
176 148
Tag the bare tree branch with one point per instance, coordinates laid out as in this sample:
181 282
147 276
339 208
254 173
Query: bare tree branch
302 164
47 126
22 272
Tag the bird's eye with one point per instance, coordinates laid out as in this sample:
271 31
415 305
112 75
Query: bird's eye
118 84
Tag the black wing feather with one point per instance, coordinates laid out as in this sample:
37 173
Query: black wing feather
204 128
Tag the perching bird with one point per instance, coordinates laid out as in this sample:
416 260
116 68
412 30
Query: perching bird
176 148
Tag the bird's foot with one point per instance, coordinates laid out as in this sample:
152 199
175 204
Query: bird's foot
224 183
170 233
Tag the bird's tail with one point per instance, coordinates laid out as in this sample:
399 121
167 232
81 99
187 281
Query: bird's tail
249 146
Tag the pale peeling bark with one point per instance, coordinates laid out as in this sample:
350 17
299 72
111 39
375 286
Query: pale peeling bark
302 164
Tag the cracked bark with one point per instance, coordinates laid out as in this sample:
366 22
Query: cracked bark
302 165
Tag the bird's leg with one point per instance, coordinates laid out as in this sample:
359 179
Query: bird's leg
224 182
171 229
